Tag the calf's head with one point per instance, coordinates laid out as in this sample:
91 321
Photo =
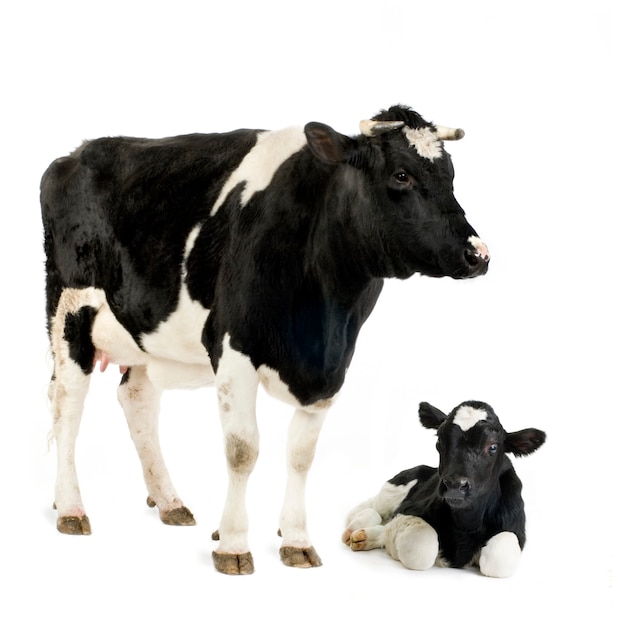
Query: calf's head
393 197
472 445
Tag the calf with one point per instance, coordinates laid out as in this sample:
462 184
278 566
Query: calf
469 511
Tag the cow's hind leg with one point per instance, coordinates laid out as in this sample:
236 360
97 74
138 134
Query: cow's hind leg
296 549
140 400
73 355
67 393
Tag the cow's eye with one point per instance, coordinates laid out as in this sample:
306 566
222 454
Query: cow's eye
493 448
401 177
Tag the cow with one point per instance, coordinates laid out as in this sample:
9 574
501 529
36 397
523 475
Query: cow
233 259
468 511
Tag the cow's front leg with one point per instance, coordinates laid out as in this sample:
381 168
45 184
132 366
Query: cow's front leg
296 549
140 400
237 383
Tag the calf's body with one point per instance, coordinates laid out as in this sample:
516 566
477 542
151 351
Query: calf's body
468 511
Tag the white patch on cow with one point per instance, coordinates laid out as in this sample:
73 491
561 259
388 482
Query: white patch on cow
173 354
179 337
275 386
480 246
501 555
258 167
412 541
467 416
178 357
425 142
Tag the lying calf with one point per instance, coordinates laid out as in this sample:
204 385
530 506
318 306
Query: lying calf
467 512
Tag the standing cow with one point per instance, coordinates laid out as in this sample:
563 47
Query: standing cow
467 511
233 259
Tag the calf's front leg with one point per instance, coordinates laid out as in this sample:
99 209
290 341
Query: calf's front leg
500 556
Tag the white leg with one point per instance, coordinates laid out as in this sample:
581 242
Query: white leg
412 541
304 430
237 383
67 393
372 513
500 556
140 400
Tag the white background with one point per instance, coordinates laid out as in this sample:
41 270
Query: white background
538 88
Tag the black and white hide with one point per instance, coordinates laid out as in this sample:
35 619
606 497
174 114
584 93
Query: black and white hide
469 511
236 259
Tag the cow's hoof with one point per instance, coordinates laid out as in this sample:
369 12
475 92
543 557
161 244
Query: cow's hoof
300 557
74 525
346 536
233 564
215 535
358 540
181 516
178 517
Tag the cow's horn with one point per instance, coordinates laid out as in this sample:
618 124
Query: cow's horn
373 128
449 134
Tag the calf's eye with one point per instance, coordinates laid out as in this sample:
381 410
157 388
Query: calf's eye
493 448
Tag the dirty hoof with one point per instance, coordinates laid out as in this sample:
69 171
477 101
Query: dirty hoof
181 516
178 517
74 525
215 536
233 563
346 536
300 557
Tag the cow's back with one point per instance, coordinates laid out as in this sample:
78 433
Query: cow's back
118 211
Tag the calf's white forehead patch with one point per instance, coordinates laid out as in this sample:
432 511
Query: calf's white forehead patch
425 142
467 416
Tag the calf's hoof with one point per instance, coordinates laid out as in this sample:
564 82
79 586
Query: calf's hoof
300 557
233 564
74 525
181 516
357 540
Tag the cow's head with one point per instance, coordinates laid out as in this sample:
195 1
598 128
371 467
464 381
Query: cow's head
393 196
472 445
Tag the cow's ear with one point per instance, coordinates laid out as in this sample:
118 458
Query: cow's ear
430 416
523 442
327 144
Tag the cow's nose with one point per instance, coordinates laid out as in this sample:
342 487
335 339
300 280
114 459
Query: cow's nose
476 263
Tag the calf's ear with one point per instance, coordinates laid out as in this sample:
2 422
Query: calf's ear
327 144
430 416
523 442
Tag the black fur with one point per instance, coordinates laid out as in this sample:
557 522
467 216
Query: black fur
292 276
491 503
